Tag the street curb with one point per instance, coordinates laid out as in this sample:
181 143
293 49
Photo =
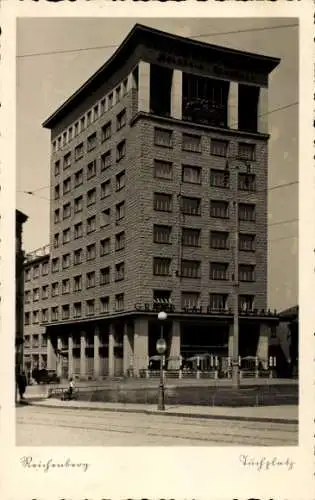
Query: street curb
175 414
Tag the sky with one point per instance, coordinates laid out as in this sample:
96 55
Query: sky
52 63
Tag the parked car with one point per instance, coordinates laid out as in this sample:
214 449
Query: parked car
46 376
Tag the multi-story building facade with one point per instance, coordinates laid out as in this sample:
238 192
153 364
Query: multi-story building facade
20 219
151 157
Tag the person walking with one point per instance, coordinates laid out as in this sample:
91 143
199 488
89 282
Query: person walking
22 385
71 388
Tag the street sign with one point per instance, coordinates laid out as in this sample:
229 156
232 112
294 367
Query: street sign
161 346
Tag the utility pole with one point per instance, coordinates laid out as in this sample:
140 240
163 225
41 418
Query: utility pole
235 358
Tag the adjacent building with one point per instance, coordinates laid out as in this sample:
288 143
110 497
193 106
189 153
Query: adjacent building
20 219
152 160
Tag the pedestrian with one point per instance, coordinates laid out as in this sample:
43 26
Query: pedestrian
22 385
71 388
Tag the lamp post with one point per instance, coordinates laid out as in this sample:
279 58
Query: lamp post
161 348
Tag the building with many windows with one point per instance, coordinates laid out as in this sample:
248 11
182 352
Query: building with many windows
20 219
150 159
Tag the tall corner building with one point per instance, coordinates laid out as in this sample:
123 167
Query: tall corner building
152 160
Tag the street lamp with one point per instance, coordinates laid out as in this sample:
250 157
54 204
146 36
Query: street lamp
161 348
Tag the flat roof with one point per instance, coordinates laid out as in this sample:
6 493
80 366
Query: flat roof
138 35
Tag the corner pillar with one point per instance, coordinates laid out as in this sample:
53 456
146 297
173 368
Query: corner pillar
51 356
82 355
141 344
144 87
128 349
176 94
233 106
59 360
70 356
231 342
111 354
174 351
263 344
96 368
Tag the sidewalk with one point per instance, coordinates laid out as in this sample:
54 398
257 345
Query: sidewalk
273 414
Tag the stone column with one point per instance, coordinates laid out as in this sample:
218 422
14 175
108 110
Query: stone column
59 359
51 356
263 110
111 353
231 341
128 348
176 94
70 356
174 348
233 106
141 344
82 355
263 344
144 87
96 353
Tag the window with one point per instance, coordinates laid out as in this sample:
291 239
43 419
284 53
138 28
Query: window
54 147
246 272
163 202
191 206
78 178
162 297
77 309
247 242
105 217
45 292
88 118
110 100
247 151
103 104
104 247
35 294
55 265
190 269
64 138
78 204
219 209
77 256
90 279
119 271
67 161
44 338
91 197
90 306
106 131
44 316
162 234
54 289
163 169
190 300
91 252
70 133
120 180
219 178
246 182
191 143
163 137
65 286
246 302
106 160
57 192
120 211
67 210
82 123
191 237
91 169
118 92
66 259
191 174
78 230
56 240
66 234
219 147
105 189
219 270
95 113
57 216
36 271
121 119
27 318
119 302
91 224
125 86
161 266
78 151
120 241
91 141
27 297
219 240
67 185
77 283
121 150
105 276
35 321
104 305
57 167
54 313
44 268
66 311
27 274
218 301
246 212
59 142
